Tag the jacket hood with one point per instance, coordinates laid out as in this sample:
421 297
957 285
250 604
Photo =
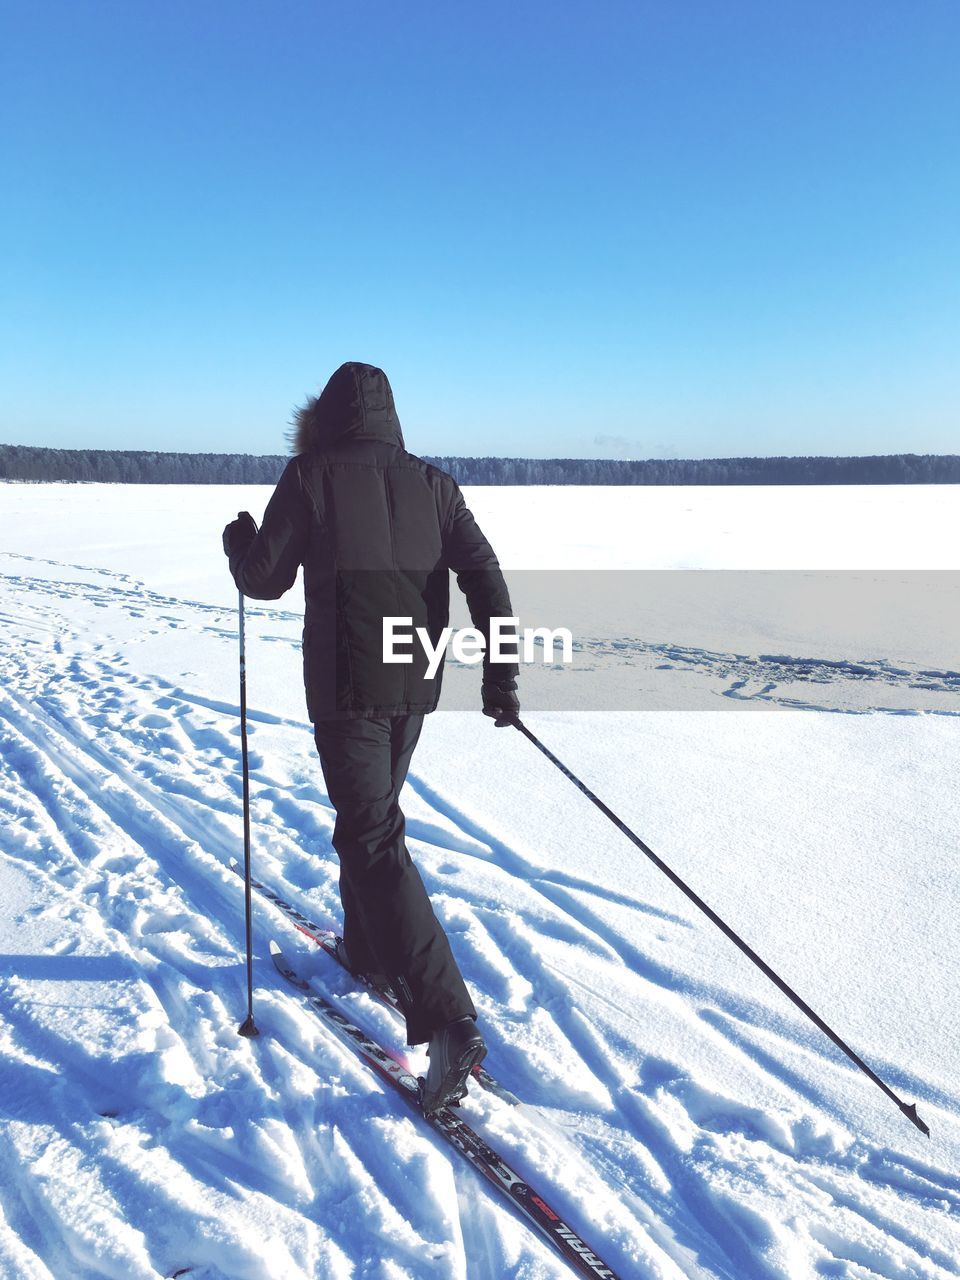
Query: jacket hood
357 402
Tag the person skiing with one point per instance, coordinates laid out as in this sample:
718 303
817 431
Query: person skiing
377 532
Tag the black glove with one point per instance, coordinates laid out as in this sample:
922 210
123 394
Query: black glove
500 701
239 533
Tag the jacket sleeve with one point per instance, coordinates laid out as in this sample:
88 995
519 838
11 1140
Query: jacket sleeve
268 566
467 552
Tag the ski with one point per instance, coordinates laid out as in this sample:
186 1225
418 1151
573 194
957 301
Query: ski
454 1130
327 940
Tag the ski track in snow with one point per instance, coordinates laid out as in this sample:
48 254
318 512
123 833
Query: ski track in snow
140 1137
868 685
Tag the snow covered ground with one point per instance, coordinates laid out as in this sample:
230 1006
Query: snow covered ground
679 1110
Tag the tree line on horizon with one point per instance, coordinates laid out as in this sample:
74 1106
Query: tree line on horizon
112 466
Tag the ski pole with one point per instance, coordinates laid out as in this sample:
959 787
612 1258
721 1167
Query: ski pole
248 1027
909 1110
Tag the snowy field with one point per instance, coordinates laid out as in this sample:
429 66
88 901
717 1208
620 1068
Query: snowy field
677 1109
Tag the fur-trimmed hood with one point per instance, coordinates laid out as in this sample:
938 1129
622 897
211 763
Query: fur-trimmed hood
356 402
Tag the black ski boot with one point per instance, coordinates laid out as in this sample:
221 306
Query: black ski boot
454 1051
378 980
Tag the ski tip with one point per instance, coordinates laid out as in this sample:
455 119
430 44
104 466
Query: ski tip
911 1113
275 948
234 864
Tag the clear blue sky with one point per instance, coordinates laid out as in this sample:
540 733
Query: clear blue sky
680 228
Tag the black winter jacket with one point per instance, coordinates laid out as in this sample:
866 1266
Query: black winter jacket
377 531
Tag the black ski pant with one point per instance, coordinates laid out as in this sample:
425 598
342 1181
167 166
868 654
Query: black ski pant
388 922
